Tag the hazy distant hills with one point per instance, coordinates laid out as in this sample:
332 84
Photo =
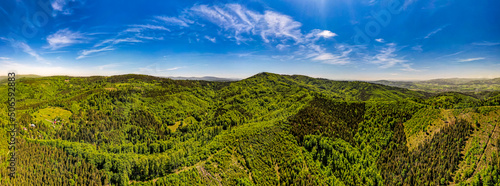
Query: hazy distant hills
204 78
447 85
3 78
434 85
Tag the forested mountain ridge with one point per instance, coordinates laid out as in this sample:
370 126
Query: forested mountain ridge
268 129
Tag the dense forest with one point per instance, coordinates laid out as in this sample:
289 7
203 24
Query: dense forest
268 129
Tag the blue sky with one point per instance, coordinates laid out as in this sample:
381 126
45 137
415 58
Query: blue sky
335 39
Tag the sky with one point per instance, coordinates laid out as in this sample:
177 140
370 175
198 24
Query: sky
334 39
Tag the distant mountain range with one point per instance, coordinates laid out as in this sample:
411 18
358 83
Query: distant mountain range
447 85
433 85
204 78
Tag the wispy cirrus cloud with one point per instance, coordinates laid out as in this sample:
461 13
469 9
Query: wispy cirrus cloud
132 34
449 55
156 68
380 40
64 38
430 34
139 28
173 68
282 46
329 58
240 23
86 53
63 6
471 59
183 22
417 48
212 39
108 66
486 43
387 58
25 48
117 41
407 3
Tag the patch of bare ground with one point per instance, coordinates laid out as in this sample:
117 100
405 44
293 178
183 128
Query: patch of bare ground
197 165
421 137
206 175
485 130
276 168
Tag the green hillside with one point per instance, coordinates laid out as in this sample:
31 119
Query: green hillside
268 129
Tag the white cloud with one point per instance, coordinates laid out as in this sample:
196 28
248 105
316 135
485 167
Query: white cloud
448 55
156 68
174 68
140 36
175 21
327 34
117 41
417 48
408 68
407 3
4 58
85 53
138 28
133 30
242 23
282 46
486 43
316 34
133 34
380 40
329 58
62 6
64 38
25 48
107 66
435 31
471 59
325 56
387 58
212 39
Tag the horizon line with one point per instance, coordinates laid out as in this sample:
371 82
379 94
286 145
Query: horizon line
238 79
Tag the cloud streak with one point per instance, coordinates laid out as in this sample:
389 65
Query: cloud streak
64 38
25 48
63 6
430 34
86 53
387 58
471 59
212 39
175 21
486 43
